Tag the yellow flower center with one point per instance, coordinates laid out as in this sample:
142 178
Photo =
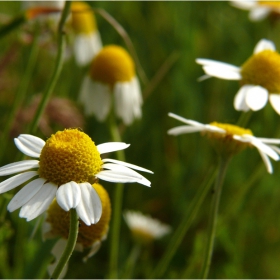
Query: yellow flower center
270 4
263 69
60 220
69 155
224 143
82 18
111 65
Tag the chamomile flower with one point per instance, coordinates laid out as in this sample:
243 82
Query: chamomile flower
145 228
230 139
87 41
89 238
258 10
112 76
259 77
69 162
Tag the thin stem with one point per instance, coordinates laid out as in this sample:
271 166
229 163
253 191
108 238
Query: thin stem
185 224
244 118
223 164
57 69
71 242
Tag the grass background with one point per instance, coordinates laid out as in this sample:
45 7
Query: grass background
248 235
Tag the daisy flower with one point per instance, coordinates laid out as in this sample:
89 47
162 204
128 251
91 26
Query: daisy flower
145 228
69 162
258 10
89 238
87 42
259 77
112 74
230 139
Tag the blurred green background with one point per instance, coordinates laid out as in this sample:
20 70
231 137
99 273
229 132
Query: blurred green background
248 234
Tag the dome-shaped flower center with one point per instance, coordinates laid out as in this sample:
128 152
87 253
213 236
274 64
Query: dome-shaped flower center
60 220
69 155
111 65
224 143
270 4
263 69
82 18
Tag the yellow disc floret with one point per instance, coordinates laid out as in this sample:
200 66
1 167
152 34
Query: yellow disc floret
262 69
111 65
60 220
69 155
270 4
224 143
82 18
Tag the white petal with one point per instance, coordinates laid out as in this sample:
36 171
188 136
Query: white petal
25 149
39 202
25 194
240 99
218 64
244 5
213 128
264 44
68 195
265 148
16 180
267 162
187 121
275 102
259 13
122 170
256 97
269 140
184 129
93 250
89 208
32 143
19 166
111 147
222 72
127 165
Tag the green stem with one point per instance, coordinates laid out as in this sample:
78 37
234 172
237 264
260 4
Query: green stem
17 21
244 118
71 242
131 261
185 224
223 164
117 206
57 69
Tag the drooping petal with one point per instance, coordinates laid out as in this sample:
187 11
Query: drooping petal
68 195
111 147
274 99
25 194
29 145
240 99
256 97
184 129
39 202
264 44
16 180
267 162
127 165
269 140
264 148
89 208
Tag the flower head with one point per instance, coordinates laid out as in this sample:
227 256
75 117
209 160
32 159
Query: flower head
112 72
145 228
230 139
69 162
89 237
87 42
259 77
258 9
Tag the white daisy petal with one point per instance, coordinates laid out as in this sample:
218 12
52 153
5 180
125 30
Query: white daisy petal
68 195
16 180
186 121
269 140
127 165
111 147
222 72
274 99
39 202
265 148
25 194
19 166
267 162
213 128
258 13
218 64
25 148
114 177
34 143
89 208
244 5
184 129
264 44
240 99
256 97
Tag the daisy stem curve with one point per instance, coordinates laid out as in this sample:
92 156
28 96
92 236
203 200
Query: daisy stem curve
184 225
57 69
117 207
216 194
71 242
